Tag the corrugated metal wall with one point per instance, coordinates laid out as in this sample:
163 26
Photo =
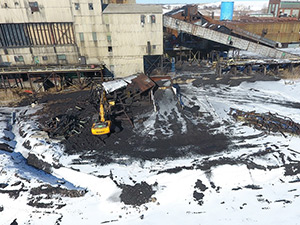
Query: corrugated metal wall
33 34
281 32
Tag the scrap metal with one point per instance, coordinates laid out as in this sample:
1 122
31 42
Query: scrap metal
271 122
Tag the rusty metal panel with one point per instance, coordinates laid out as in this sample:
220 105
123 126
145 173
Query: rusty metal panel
141 83
278 29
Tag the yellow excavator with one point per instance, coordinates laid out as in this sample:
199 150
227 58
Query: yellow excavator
103 126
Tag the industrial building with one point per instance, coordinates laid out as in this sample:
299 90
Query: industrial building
288 8
80 32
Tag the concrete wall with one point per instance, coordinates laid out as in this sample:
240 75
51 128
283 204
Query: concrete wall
129 38
18 11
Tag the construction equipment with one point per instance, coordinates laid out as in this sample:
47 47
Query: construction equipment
103 126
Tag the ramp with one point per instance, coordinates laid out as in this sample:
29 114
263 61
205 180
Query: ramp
225 39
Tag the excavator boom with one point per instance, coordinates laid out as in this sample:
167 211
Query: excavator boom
103 126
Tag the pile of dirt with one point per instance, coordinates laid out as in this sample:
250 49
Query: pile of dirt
136 195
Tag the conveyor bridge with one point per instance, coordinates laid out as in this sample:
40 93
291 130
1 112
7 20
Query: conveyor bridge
225 39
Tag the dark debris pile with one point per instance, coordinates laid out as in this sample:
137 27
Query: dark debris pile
66 125
136 195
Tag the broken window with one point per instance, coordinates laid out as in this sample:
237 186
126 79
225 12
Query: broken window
94 36
34 6
81 37
112 68
45 58
148 47
19 58
110 49
61 57
77 6
91 6
153 19
142 19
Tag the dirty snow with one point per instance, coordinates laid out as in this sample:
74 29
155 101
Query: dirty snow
235 193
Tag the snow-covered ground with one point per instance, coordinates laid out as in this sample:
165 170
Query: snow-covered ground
255 182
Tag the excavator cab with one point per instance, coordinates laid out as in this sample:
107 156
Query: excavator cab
102 126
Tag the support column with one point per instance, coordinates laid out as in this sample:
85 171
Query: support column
264 70
55 81
30 81
8 82
291 68
79 81
234 70
20 81
17 83
249 69
162 63
3 81
276 69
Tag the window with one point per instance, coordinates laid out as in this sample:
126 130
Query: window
77 6
153 46
110 49
19 58
91 6
61 57
153 19
148 47
112 68
81 37
94 36
143 19
34 6
108 38
295 13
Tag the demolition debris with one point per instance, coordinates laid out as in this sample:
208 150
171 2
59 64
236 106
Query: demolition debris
267 121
